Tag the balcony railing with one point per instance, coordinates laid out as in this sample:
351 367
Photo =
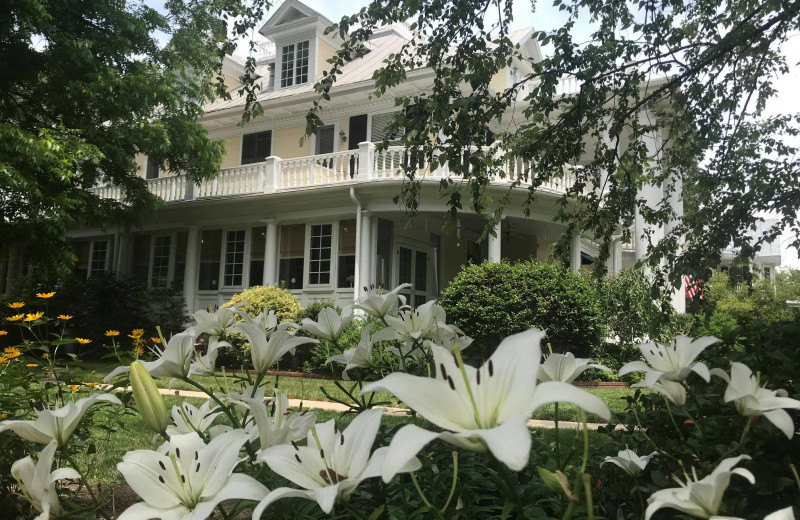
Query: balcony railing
365 164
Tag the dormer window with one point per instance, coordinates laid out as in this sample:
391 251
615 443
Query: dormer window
294 64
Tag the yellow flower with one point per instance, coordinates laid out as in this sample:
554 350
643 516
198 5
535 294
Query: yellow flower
16 317
74 388
112 333
93 384
16 305
155 340
136 333
3 415
45 355
31 365
83 341
65 317
45 295
3 332
3 359
35 316
11 352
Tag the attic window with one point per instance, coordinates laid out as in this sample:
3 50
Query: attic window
294 64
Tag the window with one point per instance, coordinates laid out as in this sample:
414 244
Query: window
140 258
767 273
152 169
180 259
97 265
346 275
293 242
258 244
325 140
234 258
319 265
210 244
294 64
159 274
256 147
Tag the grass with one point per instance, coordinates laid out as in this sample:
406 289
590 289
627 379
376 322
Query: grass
311 389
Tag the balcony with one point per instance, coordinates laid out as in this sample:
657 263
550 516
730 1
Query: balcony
365 165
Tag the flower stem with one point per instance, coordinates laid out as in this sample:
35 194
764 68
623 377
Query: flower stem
424 499
587 488
672 418
558 445
455 480
98 505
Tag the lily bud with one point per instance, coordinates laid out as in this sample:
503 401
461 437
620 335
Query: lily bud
148 400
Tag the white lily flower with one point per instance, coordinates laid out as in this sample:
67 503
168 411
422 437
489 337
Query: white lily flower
188 418
413 324
329 324
38 484
190 480
673 362
56 425
674 392
566 367
699 498
358 357
216 324
377 302
629 461
205 365
333 463
278 427
752 399
266 320
482 409
266 352
781 514
174 361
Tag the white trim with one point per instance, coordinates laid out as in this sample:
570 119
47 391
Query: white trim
223 250
311 38
307 285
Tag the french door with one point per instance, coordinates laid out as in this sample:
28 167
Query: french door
413 266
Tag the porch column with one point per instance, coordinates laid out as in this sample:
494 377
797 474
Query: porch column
615 262
190 274
652 195
495 252
575 252
365 252
271 253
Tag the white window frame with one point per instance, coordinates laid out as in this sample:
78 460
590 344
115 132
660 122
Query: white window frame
245 260
109 253
312 49
173 247
331 285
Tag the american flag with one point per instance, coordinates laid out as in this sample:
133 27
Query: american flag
693 286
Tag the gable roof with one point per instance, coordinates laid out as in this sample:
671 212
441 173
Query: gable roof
289 12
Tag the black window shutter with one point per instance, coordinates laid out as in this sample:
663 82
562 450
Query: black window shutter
358 131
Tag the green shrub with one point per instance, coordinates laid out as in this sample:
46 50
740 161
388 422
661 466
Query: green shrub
492 300
271 298
111 302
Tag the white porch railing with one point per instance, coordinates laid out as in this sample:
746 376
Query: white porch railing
365 164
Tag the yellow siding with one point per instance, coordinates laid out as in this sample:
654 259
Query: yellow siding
344 126
233 152
325 51
231 83
498 82
141 165
286 142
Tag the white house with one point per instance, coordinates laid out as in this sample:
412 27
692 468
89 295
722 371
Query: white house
318 217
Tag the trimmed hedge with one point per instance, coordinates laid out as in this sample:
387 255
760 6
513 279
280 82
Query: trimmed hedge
492 300
260 297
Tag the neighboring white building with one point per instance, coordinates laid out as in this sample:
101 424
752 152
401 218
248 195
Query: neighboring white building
318 216
765 263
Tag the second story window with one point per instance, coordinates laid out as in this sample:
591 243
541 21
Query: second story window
256 147
294 64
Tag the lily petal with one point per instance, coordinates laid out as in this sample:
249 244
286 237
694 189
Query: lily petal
557 392
405 445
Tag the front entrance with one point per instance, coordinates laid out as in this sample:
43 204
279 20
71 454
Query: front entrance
413 266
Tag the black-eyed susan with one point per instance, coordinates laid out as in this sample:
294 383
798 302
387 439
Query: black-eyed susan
155 340
16 317
45 356
32 365
74 387
11 352
112 333
138 351
136 333
83 341
45 295
35 316
16 305
64 317
3 332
